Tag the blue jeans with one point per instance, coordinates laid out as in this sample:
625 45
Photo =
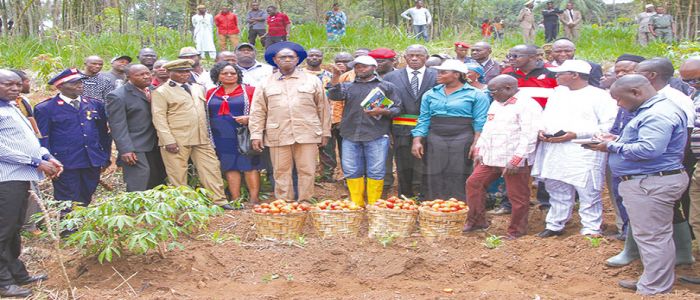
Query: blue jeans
365 158
421 31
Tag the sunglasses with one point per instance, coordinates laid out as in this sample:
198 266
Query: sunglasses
512 56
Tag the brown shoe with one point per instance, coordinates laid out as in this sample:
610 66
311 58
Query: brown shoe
628 284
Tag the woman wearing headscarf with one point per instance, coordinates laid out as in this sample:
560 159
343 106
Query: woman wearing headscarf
475 76
335 23
228 107
450 121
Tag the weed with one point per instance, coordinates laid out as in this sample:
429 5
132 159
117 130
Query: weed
594 241
270 277
493 242
388 239
290 277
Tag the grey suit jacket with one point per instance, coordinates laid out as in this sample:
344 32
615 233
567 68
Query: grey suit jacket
410 102
130 119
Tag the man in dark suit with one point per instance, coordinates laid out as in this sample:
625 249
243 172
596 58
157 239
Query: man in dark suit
412 82
564 49
129 114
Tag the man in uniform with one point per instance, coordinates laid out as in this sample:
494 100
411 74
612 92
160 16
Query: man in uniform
643 33
462 52
526 19
179 116
571 19
74 130
550 18
662 26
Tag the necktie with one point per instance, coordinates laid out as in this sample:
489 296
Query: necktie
76 103
186 87
414 82
148 94
571 14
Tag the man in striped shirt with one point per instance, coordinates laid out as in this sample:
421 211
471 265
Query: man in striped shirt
22 160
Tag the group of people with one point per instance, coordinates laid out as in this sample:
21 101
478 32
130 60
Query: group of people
448 125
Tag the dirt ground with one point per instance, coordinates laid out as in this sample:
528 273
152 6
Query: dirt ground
237 266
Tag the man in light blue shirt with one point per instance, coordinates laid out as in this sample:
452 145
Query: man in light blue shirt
647 158
22 160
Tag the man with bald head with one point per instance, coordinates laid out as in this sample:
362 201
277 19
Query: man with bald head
147 57
227 56
481 53
412 82
513 122
563 49
96 85
647 158
131 122
23 161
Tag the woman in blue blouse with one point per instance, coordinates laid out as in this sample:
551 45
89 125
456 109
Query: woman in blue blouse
451 117
228 106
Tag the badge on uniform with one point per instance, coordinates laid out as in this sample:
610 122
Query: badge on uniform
61 102
89 113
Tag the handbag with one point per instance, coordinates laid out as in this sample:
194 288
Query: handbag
245 146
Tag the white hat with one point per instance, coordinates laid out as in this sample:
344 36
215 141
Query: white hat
573 65
648 5
529 2
453 65
365 60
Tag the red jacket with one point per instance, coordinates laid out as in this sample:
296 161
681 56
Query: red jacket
227 23
539 78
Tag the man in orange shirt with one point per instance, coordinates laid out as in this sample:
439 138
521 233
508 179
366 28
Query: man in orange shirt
227 26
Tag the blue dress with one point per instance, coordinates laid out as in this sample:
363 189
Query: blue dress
223 129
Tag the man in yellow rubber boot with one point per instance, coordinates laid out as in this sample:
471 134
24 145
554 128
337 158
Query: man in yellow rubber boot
370 104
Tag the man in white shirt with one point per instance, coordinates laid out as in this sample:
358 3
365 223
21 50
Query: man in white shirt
420 18
254 72
203 26
575 110
505 148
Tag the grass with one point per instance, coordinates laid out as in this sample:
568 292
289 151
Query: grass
69 48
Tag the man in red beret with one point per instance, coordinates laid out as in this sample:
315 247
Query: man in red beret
462 51
385 60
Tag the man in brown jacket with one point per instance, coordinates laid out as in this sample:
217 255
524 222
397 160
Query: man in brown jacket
571 19
291 111
179 116
526 19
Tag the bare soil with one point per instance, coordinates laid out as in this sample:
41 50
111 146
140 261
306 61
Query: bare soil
237 266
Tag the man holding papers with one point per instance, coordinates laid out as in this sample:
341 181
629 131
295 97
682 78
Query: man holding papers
370 104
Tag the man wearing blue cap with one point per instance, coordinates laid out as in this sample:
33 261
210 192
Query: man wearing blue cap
291 112
74 130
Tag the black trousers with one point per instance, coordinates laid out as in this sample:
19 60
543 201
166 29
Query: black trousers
254 34
13 207
407 166
551 30
147 173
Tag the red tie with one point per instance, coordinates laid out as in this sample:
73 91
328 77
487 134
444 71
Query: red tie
148 94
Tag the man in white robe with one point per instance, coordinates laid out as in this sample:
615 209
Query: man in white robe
575 111
203 33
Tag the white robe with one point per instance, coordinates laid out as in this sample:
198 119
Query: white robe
203 32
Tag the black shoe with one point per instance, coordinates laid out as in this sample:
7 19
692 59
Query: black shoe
628 284
33 279
228 207
690 279
549 233
14 291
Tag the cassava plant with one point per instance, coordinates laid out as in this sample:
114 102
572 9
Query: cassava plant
139 221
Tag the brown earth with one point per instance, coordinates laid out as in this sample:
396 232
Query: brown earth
240 267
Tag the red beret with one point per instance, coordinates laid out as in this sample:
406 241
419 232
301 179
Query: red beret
382 53
462 45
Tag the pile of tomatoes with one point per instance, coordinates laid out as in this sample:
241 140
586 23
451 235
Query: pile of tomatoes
394 202
337 205
445 206
281 207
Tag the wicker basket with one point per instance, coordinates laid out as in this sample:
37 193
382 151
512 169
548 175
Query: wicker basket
334 223
438 224
384 221
279 227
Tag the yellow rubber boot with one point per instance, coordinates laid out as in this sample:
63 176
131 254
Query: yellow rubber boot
356 186
374 190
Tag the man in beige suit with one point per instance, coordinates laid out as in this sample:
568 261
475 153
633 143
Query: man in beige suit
571 19
179 116
291 112
527 22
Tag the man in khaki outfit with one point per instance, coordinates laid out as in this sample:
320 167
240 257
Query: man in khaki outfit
643 33
291 111
571 19
527 22
179 116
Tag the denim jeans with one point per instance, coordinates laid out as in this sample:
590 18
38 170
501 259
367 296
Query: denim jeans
421 31
365 158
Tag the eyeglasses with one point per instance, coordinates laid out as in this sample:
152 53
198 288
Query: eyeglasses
513 56
228 74
693 81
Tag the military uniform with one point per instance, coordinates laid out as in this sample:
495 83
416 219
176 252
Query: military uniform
79 139
643 34
662 25
527 25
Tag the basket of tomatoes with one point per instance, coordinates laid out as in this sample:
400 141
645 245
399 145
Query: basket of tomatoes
339 218
393 216
279 219
439 218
